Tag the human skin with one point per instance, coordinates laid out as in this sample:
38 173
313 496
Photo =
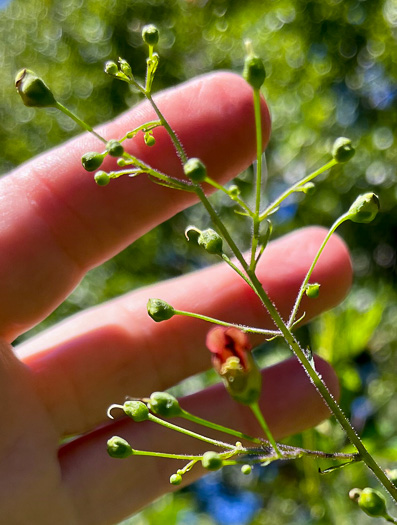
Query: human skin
56 225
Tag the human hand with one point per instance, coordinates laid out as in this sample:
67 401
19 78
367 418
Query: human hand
56 225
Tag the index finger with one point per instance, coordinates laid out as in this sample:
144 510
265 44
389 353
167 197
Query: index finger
57 224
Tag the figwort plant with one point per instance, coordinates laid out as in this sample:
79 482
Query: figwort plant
227 342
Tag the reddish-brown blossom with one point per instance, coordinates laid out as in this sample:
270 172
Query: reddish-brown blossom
224 342
232 359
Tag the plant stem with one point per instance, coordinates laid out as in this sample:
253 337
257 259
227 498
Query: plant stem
259 416
220 428
258 187
242 327
177 144
293 188
336 224
170 426
80 122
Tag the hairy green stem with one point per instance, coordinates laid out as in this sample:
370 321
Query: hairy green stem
259 416
258 185
170 426
80 122
272 207
336 224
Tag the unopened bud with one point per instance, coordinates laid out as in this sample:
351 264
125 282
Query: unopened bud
119 448
159 310
102 178
111 68
150 35
33 91
149 139
125 68
136 410
91 160
312 290
373 503
254 71
195 170
342 150
114 148
211 241
176 479
246 469
365 208
309 188
164 404
212 460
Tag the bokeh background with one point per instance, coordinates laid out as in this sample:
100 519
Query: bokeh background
332 70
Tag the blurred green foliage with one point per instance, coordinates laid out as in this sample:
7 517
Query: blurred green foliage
331 71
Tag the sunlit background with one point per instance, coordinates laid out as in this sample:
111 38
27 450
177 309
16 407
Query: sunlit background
331 70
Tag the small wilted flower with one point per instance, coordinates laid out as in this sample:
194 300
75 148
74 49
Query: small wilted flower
232 359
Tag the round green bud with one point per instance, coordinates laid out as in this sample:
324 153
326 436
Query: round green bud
211 241
33 91
313 290
91 160
254 71
159 310
234 191
114 148
149 139
212 460
102 178
150 35
373 503
119 448
164 404
342 150
365 208
136 410
195 170
309 188
111 68
125 67
176 479
246 469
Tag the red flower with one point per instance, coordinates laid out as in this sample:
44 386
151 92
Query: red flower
224 342
232 359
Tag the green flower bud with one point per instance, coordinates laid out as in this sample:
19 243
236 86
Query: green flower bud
254 71
176 479
33 91
365 208
149 139
246 469
309 188
312 290
91 160
373 503
111 68
212 460
164 404
150 35
136 410
234 191
102 178
211 241
342 150
119 448
159 310
114 148
195 170
125 68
